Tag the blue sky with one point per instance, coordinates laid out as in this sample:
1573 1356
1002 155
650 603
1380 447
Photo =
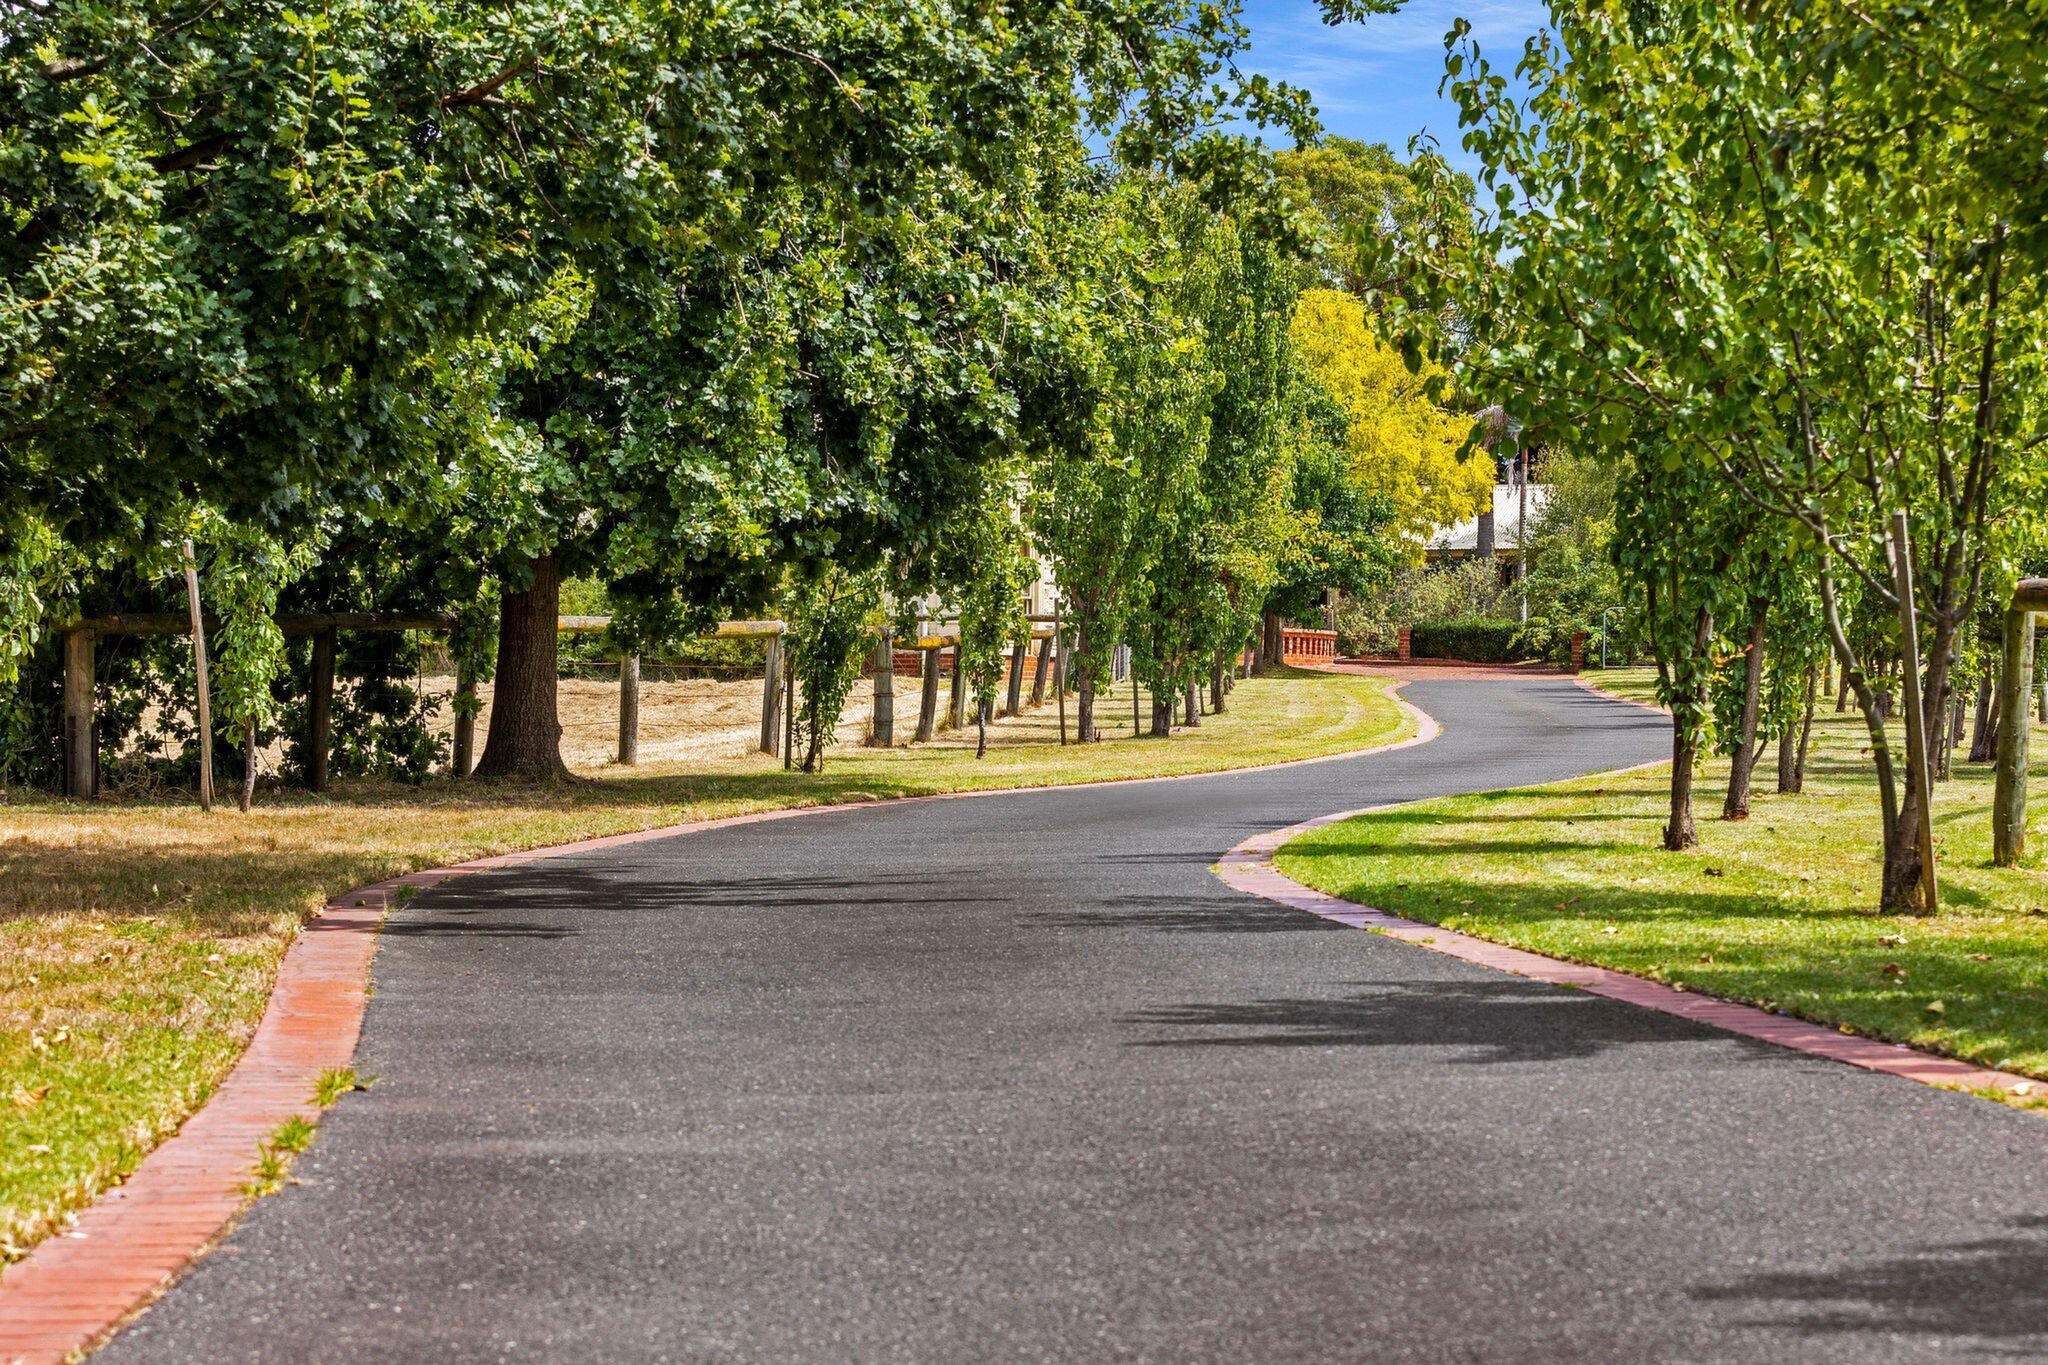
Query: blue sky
1376 80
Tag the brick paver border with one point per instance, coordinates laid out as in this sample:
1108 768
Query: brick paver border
75 1288
1249 868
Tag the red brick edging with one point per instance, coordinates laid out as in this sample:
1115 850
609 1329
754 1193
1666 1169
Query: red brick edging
75 1288
1249 868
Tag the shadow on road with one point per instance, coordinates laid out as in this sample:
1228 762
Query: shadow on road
1506 1021
1990 1290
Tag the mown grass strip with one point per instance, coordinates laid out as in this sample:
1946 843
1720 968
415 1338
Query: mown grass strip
1776 911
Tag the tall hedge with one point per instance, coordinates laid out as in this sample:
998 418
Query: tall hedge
1473 639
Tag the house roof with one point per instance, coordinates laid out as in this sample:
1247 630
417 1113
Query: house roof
1464 537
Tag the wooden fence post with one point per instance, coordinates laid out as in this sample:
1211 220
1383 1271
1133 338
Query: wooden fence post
1059 640
771 697
1044 671
956 700
465 719
320 712
1013 700
629 710
81 749
196 620
2009 803
884 727
928 701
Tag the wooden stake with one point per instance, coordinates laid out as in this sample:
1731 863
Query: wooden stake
956 700
928 700
1013 700
320 711
81 750
771 696
465 721
199 669
629 710
884 726
1059 641
2009 803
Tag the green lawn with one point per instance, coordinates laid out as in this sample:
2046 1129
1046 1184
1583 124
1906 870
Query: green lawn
139 939
1777 911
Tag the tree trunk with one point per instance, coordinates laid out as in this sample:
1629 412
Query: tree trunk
1193 697
1272 642
1952 731
1217 673
1083 678
1984 740
981 730
1162 714
525 738
1901 889
1742 764
1681 832
1792 759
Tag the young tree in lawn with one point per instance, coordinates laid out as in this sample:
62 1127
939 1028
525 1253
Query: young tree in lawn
832 620
1112 402
1680 579
985 554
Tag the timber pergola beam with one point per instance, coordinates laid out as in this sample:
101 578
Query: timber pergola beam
2015 683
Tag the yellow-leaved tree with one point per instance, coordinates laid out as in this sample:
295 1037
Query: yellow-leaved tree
1402 446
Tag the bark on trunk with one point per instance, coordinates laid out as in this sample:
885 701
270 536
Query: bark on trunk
1984 739
1084 687
1901 886
1792 777
1742 764
1218 672
248 767
981 730
1681 832
1272 642
1162 715
525 738
1194 704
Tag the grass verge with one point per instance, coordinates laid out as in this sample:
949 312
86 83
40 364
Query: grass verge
139 940
1776 911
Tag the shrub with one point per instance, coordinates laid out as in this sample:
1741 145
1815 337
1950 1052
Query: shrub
1473 639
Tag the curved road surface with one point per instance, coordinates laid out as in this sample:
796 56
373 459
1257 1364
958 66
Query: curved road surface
1017 1079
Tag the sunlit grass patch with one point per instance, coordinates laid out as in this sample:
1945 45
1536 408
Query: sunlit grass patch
1777 911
